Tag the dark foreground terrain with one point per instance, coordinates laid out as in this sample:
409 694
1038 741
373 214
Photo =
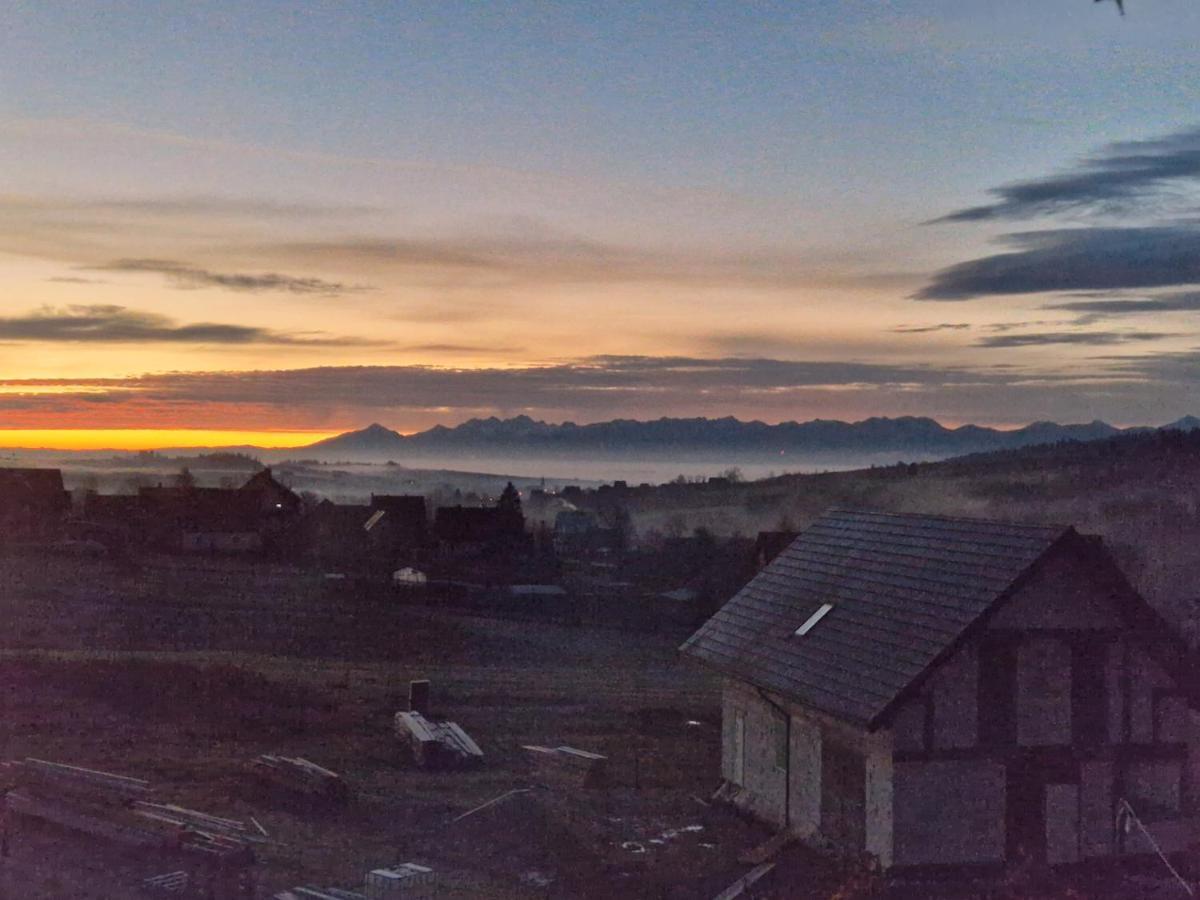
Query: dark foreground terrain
180 672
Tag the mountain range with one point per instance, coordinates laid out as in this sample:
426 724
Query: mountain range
702 436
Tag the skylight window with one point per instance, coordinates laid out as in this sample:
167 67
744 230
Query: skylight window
812 620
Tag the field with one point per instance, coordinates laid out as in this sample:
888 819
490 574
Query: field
179 673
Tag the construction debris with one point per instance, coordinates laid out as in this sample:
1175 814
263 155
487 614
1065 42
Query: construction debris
61 779
739 887
115 808
407 880
437 745
300 775
171 883
569 766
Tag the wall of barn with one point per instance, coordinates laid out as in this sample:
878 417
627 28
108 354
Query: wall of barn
949 812
850 814
932 788
762 780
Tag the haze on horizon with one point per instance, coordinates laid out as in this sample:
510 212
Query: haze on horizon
272 220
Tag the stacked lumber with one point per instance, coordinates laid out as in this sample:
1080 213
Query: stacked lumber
116 808
569 766
300 775
171 883
407 880
62 780
437 745
197 831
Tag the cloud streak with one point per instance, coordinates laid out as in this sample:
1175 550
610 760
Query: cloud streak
107 324
1076 259
1104 307
185 276
1084 338
1120 176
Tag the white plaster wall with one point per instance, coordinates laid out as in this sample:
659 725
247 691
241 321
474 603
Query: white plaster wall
879 811
765 782
1096 808
1154 786
948 812
806 777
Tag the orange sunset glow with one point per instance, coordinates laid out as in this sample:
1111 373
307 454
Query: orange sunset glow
151 438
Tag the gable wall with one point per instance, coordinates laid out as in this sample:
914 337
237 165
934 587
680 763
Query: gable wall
945 772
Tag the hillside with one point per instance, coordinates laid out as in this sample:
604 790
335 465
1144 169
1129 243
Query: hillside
1140 491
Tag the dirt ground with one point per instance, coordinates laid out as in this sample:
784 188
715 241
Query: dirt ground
180 671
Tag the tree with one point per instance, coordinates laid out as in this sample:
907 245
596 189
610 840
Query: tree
510 500
185 479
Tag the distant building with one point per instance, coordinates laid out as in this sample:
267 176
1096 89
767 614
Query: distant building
473 530
935 691
201 520
33 505
407 519
274 499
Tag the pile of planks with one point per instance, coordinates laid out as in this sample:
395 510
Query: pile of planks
407 880
300 775
437 745
569 766
198 831
171 883
117 808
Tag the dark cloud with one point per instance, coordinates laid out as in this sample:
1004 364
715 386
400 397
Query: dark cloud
1086 338
926 329
1120 176
183 275
600 388
118 324
68 279
1097 307
1074 259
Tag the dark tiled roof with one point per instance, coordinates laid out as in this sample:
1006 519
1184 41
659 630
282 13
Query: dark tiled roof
903 588
41 486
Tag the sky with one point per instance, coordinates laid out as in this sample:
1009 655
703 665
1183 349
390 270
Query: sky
283 220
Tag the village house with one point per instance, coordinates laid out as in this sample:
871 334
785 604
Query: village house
201 519
33 505
934 691
407 520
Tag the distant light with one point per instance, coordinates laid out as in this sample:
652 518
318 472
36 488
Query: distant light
692 722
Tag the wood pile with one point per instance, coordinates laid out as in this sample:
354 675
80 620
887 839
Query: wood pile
407 880
301 776
117 808
437 745
171 883
569 766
